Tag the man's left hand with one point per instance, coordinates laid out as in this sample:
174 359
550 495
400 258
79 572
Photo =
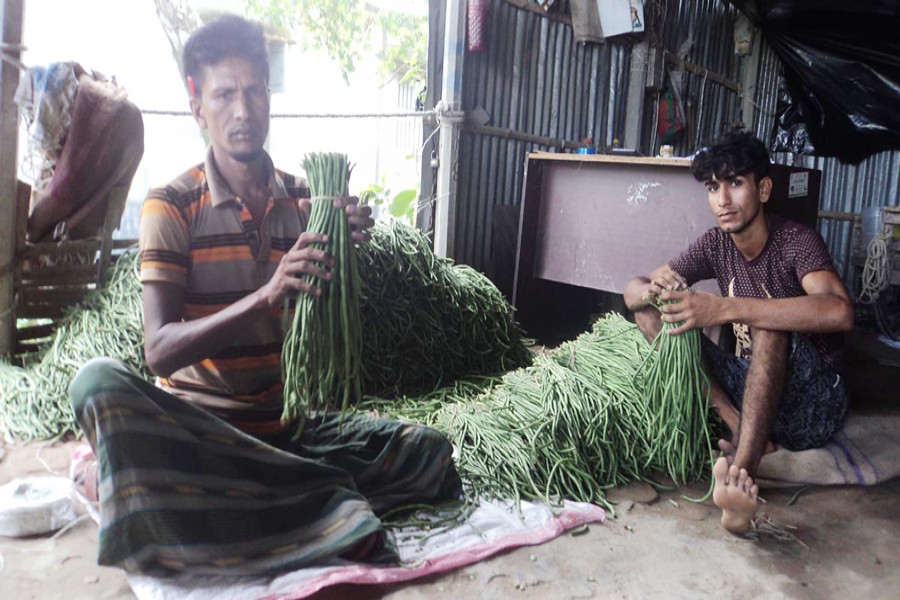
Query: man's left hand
689 309
359 217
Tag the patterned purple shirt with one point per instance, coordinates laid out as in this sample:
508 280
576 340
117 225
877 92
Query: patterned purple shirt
792 251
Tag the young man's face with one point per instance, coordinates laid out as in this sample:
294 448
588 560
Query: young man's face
737 201
233 105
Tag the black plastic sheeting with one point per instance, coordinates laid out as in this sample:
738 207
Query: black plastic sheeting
841 62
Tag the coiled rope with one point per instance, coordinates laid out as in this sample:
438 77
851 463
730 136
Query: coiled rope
877 271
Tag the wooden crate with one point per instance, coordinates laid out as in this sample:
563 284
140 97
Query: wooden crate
51 278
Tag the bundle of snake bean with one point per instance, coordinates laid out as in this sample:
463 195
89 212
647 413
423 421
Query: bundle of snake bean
678 403
322 351
594 413
34 401
429 322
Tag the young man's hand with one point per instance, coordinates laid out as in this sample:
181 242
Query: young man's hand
664 278
690 309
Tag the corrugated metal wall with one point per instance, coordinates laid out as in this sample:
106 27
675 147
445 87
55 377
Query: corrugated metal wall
846 188
533 78
700 32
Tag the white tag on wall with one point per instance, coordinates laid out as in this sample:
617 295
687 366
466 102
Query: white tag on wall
798 184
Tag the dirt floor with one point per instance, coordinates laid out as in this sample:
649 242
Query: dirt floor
658 546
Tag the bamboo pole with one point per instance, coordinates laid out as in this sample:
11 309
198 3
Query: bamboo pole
11 13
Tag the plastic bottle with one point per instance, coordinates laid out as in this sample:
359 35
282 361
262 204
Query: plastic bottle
587 146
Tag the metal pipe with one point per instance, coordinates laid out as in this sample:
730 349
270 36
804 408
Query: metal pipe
450 116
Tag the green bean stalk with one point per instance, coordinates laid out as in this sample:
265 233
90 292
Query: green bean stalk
322 351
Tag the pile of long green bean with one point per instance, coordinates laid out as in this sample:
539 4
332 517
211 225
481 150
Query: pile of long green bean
596 412
34 401
322 351
428 322
425 323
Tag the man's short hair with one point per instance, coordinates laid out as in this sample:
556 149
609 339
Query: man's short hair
229 36
737 153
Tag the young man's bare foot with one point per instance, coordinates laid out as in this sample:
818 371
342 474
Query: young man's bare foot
728 449
736 494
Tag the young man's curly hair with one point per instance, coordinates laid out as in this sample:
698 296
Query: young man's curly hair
734 154
229 36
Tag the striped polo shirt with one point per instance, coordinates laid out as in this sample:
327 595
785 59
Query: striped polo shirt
195 233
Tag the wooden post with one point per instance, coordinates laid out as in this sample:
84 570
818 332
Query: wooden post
637 92
11 13
749 73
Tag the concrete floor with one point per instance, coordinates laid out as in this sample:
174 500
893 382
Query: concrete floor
658 546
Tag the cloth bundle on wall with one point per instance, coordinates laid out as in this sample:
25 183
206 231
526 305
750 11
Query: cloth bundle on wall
91 138
476 25
586 22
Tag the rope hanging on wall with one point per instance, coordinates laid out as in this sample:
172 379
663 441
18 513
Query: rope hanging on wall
877 271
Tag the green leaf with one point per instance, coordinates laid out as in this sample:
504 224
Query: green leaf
402 204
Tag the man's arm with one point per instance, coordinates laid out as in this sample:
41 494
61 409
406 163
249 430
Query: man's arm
171 344
826 308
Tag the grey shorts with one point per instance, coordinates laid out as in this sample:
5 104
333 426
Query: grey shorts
814 403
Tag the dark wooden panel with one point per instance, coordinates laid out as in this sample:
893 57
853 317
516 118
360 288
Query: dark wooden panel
53 295
27 347
36 332
60 276
41 311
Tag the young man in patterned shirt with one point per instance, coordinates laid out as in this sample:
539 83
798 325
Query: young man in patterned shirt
788 308
198 473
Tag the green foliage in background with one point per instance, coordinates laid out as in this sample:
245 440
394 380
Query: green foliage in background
343 29
401 205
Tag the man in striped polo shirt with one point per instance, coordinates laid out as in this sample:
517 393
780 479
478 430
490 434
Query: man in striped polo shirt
198 473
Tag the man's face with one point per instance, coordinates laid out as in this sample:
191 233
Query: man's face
737 201
233 105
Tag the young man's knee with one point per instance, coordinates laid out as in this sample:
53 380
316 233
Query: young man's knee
768 336
774 345
648 321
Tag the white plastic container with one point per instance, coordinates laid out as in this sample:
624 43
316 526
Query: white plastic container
35 506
